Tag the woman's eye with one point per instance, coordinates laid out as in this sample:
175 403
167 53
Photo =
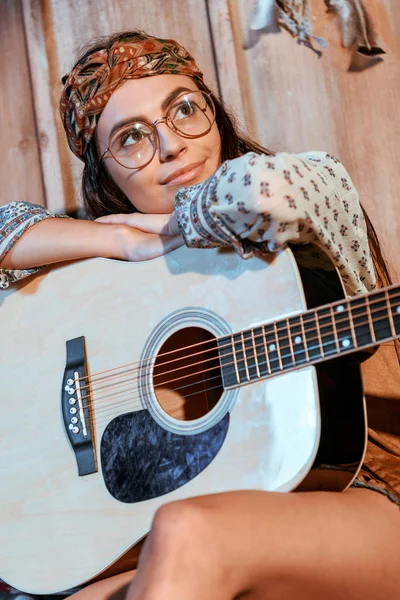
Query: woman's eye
131 137
184 110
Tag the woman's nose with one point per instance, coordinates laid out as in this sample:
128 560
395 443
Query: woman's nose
171 144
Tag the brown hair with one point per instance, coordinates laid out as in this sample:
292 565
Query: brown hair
102 196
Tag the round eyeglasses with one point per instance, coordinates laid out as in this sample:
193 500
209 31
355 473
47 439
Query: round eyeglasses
134 145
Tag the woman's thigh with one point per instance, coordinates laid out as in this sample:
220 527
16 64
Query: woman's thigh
267 546
273 546
113 588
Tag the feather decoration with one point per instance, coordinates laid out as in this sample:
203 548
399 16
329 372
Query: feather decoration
356 26
295 17
264 15
264 19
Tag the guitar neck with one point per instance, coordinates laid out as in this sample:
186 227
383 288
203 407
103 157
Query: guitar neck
317 335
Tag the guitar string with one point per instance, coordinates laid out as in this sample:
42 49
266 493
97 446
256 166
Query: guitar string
213 368
141 405
216 347
125 381
101 374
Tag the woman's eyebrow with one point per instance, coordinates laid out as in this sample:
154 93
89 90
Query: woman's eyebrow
179 90
165 103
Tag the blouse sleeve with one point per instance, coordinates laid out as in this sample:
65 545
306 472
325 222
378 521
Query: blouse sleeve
15 219
259 203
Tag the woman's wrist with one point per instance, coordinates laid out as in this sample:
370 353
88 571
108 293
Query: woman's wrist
110 241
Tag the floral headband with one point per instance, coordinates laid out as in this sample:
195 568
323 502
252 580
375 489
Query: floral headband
89 86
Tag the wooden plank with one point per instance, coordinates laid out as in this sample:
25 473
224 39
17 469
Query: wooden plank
68 24
235 95
20 173
58 193
300 102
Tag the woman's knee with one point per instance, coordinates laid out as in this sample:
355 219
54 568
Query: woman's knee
178 524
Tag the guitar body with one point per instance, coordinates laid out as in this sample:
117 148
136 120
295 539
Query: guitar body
65 528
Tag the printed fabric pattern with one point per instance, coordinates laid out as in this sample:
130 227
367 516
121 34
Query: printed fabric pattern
260 203
15 219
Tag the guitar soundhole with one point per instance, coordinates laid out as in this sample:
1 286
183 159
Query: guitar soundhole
187 378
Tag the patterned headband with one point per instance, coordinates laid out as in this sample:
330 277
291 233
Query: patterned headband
91 83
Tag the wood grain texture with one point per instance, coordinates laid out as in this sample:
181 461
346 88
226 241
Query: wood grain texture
68 25
234 94
300 102
20 173
58 199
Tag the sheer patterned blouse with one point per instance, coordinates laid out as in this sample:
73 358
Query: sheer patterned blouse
256 203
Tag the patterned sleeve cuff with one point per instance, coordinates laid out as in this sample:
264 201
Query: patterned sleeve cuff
15 219
196 225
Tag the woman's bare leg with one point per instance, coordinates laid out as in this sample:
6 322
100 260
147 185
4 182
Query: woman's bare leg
113 588
271 546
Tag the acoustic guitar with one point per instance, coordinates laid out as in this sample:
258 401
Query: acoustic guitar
129 385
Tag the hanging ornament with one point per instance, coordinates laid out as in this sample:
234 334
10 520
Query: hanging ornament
357 30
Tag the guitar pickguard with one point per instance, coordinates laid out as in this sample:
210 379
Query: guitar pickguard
141 460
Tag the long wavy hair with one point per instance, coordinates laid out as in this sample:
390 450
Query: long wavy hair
101 196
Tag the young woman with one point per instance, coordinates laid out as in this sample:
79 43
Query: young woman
164 165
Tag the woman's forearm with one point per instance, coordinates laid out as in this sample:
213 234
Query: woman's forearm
57 240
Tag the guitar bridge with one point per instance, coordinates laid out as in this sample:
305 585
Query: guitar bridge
74 405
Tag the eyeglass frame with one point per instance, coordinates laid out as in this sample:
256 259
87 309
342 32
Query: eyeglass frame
154 124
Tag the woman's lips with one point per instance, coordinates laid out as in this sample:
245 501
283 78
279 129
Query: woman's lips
184 175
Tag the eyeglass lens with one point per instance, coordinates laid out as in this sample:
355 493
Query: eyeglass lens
191 115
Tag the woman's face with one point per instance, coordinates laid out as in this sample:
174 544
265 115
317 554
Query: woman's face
152 189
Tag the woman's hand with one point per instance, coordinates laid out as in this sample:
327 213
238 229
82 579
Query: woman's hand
146 236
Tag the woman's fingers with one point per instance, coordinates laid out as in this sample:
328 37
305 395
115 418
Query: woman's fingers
139 245
162 224
161 245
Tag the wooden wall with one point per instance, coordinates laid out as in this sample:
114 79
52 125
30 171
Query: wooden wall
288 98
294 101
20 172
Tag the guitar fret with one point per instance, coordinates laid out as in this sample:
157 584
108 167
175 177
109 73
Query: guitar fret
389 309
283 333
240 357
310 328
290 341
260 353
272 348
297 340
319 333
343 327
353 335
395 309
362 327
250 355
304 337
334 329
380 317
371 325
227 358
244 356
255 353
327 336
266 351
235 359
278 347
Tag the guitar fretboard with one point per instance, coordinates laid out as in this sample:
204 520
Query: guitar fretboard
311 337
